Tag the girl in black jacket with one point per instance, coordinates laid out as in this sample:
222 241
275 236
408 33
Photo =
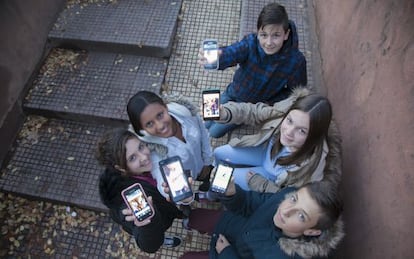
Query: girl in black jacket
127 161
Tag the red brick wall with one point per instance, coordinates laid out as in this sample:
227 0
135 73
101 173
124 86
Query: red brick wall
367 51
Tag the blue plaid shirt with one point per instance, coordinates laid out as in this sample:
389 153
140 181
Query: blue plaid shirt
261 77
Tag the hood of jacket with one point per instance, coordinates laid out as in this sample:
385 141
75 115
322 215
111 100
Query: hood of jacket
299 92
179 106
293 40
173 99
333 167
321 246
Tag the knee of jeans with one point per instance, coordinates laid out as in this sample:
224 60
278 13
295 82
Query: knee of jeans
217 133
220 152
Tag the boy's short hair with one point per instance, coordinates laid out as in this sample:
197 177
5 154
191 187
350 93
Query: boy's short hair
273 14
329 200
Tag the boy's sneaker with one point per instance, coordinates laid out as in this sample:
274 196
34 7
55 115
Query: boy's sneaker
206 197
204 177
201 196
172 241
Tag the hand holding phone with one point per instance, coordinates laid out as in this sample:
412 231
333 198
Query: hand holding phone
210 54
136 200
176 179
211 104
222 178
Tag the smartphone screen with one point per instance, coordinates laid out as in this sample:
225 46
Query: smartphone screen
173 173
211 102
221 178
137 201
210 51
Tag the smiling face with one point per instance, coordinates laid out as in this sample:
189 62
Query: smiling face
294 129
298 214
156 120
271 38
138 159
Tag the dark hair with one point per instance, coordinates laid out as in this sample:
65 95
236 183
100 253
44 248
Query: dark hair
320 114
136 105
329 200
273 14
111 148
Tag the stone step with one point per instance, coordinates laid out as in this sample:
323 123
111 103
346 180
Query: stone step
138 27
86 86
53 160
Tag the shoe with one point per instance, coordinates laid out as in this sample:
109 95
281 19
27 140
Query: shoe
205 178
201 197
206 197
205 186
172 241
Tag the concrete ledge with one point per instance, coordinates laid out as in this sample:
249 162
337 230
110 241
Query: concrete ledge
9 131
54 161
129 27
92 86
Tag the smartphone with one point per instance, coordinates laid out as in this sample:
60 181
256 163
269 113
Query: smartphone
222 178
211 102
174 175
210 52
136 200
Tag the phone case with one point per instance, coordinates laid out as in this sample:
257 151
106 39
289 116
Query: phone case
210 49
211 104
174 175
222 178
137 201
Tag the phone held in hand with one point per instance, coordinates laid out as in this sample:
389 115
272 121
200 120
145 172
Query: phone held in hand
222 178
174 175
136 200
210 52
211 102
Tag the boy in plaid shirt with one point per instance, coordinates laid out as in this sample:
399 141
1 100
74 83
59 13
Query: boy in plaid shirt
270 64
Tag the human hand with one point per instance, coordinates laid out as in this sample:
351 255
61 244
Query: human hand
221 243
249 175
129 215
224 113
202 60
